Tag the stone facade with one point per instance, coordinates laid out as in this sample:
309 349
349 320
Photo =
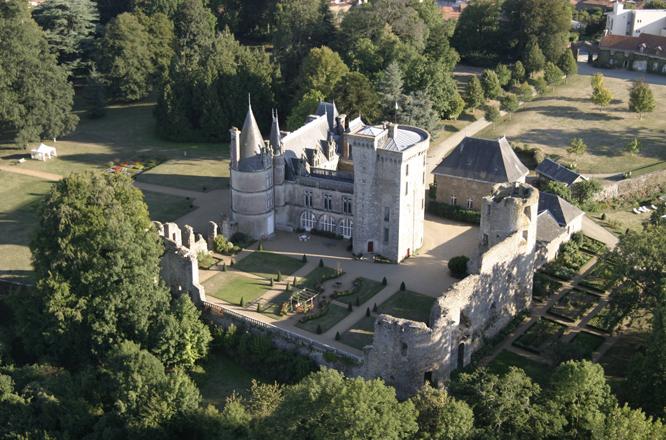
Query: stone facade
461 192
296 181
406 353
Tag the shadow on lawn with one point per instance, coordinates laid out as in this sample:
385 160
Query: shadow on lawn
570 112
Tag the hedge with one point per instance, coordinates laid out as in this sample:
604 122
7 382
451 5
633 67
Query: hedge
456 213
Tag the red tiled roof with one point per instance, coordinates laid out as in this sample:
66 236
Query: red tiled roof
652 44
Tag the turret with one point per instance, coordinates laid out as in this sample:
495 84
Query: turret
275 137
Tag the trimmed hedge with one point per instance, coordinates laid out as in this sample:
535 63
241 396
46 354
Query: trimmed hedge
455 213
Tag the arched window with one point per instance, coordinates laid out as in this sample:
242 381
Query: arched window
326 223
346 226
308 220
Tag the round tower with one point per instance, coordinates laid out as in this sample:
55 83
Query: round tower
251 180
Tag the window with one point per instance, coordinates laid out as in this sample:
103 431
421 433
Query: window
328 202
453 201
386 235
326 223
485 240
422 203
469 203
406 188
346 226
307 196
307 220
407 170
387 213
424 177
347 205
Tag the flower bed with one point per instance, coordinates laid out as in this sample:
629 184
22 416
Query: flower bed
131 167
541 335
604 320
568 262
573 305
600 279
544 287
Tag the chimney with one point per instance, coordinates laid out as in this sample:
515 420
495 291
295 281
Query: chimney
234 146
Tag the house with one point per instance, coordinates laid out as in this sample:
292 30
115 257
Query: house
635 22
475 165
557 221
549 170
644 53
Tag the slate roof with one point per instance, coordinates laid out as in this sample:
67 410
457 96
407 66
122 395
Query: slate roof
547 227
562 211
554 171
309 135
651 44
483 159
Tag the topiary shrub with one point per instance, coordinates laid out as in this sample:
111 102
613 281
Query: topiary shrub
321 262
304 259
458 266
374 308
319 331
367 312
278 276
384 281
261 246
242 302
403 287
337 336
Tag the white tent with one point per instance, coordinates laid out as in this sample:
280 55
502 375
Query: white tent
43 152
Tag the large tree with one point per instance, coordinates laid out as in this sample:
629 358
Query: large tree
321 70
479 32
441 417
69 26
641 99
96 258
35 96
355 95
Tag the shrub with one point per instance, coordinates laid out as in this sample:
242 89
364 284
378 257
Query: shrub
223 246
205 260
349 307
259 306
272 284
456 213
242 301
224 267
403 287
524 91
304 259
241 239
261 246
491 114
286 287
279 276
319 331
384 281
367 312
540 85
374 308
458 266
337 336
321 262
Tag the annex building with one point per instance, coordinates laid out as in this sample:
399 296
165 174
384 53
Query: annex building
341 177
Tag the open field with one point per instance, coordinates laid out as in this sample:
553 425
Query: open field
232 287
551 121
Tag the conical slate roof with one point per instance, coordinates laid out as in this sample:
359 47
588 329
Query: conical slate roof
251 140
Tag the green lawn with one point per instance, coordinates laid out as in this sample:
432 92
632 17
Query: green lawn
360 334
193 174
334 315
586 343
166 207
218 377
363 290
540 335
231 287
408 305
272 307
268 264
539 372
317 276
553 120
19 200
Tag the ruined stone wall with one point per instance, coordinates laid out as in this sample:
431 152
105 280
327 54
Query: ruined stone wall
640 186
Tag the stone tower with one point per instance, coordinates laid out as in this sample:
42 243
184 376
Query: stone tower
251 171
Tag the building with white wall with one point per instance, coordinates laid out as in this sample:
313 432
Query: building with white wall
634 22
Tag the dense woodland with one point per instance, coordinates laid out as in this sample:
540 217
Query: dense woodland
100 349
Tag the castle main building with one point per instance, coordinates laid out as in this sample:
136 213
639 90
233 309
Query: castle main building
358 181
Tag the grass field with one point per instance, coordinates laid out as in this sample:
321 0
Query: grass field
317 276
408 305
334 315
165 207
363 290
268 264
538 371
551 121
218 377
360 334
231 287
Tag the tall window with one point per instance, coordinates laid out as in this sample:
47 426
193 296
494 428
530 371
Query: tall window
328 202
307 220
453 200
469 203
406 188
387 213
424 177
407 170
386 235
326 223
346 226
347 205
307 199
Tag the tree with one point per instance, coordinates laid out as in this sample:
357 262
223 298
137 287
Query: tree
417 109
96 258
655 4
567 63
321 70
389 89
354 94
583 192
577 147
306 106
492 88
151 7
630 424
36 97
491 114
534 59
474 96
518 73
510 103
559 188
326 403
633 147
458 266
95 94
552 74
441 417
69 27
641 99
601 96
478 33
503 74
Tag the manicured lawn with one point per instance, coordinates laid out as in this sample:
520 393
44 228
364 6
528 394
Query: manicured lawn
268 264
551 121
604 321
544 287
360 334
573 305
540 335
334 315
218 377
408 305
231 287
166 207
586 343
196 175
272 307
363 290
539 372
318 276
19 201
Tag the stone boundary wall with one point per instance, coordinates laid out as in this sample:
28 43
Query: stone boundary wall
286 340
635 186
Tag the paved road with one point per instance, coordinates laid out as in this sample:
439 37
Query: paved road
629 75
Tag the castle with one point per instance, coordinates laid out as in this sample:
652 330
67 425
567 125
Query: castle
344 178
